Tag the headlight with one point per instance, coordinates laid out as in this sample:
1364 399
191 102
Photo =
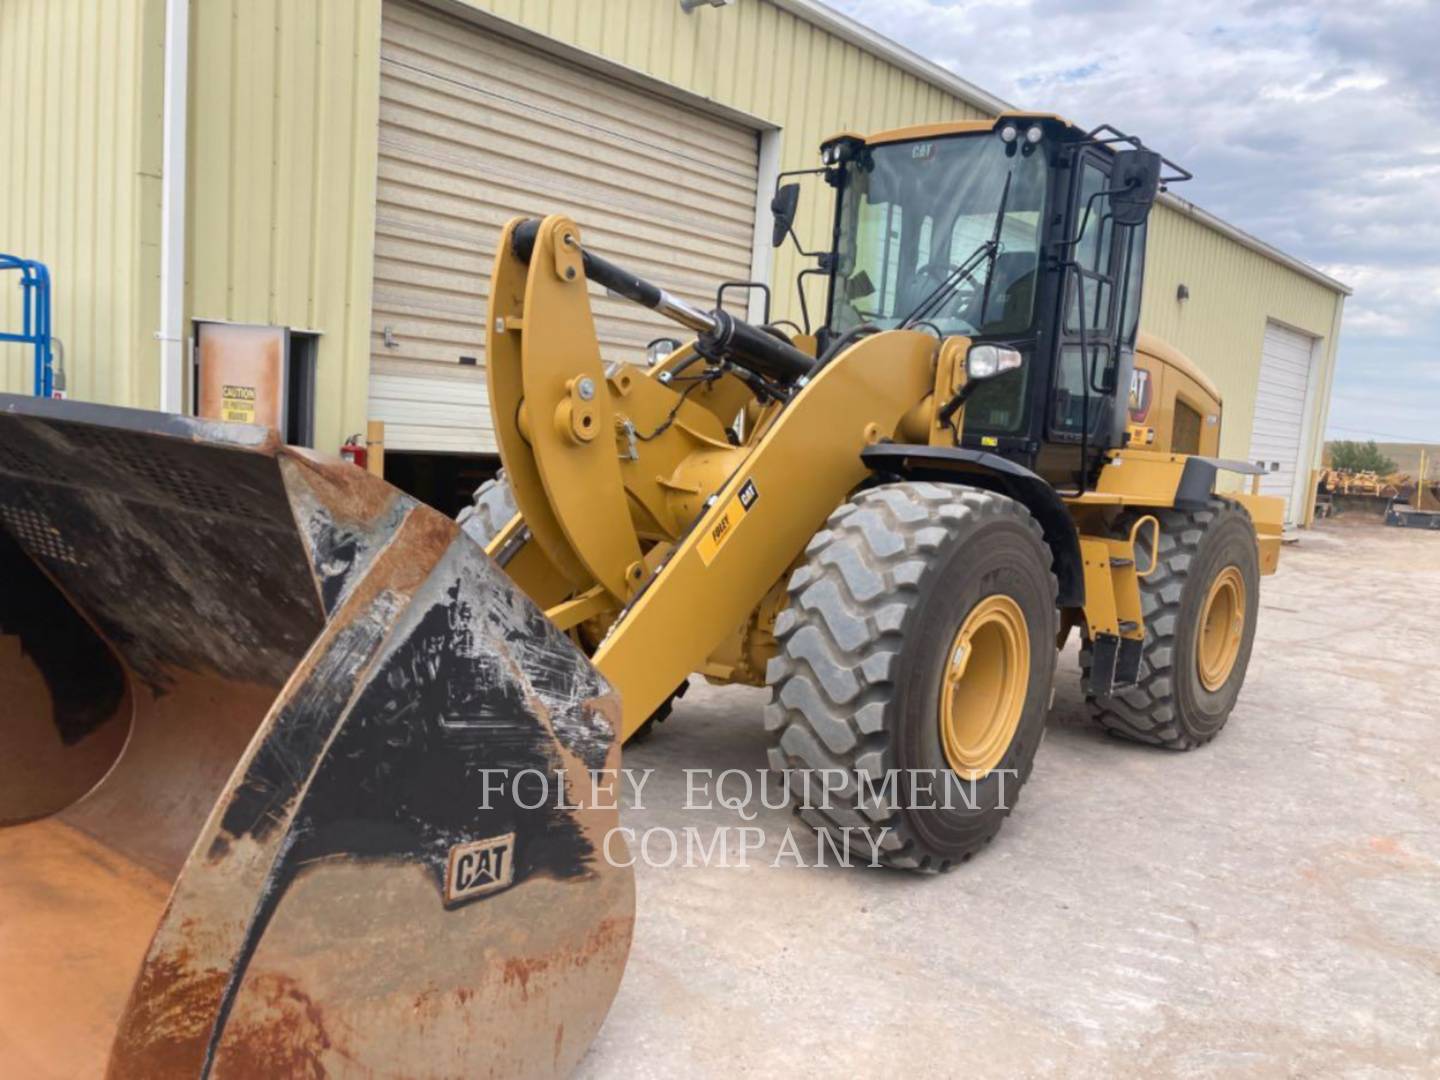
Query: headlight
659 349
986 361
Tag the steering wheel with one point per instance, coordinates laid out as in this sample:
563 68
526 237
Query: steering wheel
962 298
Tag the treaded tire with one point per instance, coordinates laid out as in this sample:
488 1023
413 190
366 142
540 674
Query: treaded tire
489 511
1170 707
862 650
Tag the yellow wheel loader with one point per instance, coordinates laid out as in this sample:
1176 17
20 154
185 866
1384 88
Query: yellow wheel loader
256 698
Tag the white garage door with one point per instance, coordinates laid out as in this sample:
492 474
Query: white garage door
1275 440
475 129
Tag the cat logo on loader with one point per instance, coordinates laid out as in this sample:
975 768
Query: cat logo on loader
482 867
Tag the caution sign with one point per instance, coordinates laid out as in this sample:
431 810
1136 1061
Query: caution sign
237 404
725 526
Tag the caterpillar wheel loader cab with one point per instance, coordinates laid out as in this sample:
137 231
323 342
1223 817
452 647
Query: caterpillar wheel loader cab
254 694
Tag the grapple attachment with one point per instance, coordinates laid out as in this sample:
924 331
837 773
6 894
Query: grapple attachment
287 769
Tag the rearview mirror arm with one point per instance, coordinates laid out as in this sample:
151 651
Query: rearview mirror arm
794 239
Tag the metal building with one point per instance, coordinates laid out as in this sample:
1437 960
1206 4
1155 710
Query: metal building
341 168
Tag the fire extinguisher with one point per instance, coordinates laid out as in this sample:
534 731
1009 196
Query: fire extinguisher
355 451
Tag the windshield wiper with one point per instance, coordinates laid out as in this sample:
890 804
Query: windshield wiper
988 250
951 282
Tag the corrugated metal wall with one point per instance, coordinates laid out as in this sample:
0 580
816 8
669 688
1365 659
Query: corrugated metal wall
80 188
283 128
1233 290
283 165
282 180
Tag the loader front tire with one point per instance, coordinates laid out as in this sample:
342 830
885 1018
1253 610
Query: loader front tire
490 510
863 682
1200 605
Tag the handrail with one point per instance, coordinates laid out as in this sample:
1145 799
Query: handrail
35 284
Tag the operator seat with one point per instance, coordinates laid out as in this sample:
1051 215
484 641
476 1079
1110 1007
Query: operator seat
1011 290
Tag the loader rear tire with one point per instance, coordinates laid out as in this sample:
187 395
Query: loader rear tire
859 685
1182 702
489 511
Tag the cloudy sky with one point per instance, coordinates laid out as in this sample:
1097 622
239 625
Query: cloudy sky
1313 124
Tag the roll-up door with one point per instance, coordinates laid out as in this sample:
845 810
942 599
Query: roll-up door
475 129
1275 439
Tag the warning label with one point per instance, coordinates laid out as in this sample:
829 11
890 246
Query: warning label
725 526
237 404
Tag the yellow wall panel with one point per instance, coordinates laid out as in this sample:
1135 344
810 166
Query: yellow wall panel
79 186
283 127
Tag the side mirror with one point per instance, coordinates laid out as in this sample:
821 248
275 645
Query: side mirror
783 207
1135 181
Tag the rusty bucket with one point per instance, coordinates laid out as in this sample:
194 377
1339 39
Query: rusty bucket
249 701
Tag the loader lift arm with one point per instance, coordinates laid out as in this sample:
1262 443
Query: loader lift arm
762 503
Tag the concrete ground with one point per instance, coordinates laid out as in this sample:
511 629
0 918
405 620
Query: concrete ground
1267 905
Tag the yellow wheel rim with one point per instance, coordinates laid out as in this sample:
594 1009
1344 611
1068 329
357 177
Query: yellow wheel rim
1222 626
987 671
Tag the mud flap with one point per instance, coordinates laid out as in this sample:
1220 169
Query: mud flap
259 810
1114 664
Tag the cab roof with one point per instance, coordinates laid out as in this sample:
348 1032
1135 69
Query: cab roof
955 127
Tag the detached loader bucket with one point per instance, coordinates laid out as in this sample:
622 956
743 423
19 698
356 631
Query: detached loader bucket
248 698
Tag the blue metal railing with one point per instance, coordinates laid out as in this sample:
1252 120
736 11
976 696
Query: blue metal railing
35 285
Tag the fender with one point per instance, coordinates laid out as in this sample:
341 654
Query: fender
1197 480
953 464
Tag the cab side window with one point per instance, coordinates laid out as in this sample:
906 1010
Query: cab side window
1087 362
1134 278
1091 289
877 241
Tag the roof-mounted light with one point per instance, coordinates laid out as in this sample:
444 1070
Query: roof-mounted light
1033 134
1009 133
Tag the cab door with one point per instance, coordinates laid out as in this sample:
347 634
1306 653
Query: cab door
1085 410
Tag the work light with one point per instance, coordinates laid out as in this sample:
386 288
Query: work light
986 361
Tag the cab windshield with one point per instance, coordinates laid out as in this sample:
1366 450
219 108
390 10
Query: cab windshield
914 213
